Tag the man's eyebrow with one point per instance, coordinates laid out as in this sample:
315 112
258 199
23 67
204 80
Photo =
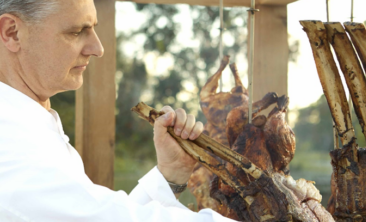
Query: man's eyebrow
85 25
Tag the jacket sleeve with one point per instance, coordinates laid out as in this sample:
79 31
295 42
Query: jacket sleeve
42 193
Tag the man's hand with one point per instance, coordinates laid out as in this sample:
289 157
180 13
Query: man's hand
173 162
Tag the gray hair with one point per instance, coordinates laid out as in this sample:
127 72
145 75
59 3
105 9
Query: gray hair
28 10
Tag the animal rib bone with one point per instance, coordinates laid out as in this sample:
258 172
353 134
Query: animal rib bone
357 32
330 79
347 202
357 84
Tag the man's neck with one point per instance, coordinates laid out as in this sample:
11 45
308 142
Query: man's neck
17 83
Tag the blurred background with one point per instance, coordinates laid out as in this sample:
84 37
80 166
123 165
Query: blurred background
165 56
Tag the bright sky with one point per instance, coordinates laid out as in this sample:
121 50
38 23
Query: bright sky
304 86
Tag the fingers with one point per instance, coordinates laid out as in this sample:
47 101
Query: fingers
196 131
190 122
167 109
180 121
185 125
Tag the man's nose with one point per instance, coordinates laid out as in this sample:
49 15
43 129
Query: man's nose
93 47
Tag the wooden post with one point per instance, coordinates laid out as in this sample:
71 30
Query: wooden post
95 103
271 51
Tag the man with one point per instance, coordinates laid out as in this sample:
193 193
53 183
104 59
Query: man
45 45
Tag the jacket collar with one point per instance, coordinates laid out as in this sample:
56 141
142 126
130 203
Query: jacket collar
18 107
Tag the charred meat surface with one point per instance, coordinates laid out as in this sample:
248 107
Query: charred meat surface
268 143
238 117
216 106
280 139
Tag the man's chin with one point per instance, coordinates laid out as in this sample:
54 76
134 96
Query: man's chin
76 87
73 86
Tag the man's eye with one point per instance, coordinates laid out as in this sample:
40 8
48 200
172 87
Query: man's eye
76 33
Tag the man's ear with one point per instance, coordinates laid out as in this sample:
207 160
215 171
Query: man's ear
9 27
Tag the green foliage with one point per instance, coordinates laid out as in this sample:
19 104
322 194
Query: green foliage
64 104
166 91
314 128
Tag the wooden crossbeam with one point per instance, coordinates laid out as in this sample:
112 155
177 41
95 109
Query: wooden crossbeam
227 3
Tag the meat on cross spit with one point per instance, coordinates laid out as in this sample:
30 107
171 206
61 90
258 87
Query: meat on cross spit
252 182
348 199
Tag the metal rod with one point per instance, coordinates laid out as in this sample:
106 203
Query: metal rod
251 58
327 9
351 10
221 32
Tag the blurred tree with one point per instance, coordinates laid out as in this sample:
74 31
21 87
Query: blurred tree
314 128
192 66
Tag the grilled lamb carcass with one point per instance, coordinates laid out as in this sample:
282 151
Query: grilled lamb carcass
269 144
269 197
271 149
216 106
224 112
250 143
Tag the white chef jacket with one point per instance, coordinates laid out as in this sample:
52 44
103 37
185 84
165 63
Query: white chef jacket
42 177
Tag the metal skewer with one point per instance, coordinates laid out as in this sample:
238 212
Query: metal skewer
252 11
327 8
351 10
221 32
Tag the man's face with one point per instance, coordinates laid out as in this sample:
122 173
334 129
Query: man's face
55 52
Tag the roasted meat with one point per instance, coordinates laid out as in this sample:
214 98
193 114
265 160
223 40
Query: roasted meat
237 118
216 106
280 139
268 197
250 143
268 143
348 199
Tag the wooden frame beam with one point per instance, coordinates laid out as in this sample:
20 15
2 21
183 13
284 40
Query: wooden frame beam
227 3
95 103
271 51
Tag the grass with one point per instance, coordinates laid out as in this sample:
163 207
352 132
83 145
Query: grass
314 166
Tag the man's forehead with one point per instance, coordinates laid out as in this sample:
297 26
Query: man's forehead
77 12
